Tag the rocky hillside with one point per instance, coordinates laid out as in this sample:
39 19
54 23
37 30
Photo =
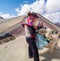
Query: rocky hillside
58 24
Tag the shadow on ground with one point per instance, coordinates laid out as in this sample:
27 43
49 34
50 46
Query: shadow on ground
48 56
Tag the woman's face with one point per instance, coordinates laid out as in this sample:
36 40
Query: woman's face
35 21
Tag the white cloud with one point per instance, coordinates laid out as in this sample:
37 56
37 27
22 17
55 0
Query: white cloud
53 5
6 15
37 7
18 11
24 9
50 9
53 17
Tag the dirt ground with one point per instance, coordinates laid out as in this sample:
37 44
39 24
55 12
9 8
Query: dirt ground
17 50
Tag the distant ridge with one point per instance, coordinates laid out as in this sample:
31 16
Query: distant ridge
58 24
48 23
12 25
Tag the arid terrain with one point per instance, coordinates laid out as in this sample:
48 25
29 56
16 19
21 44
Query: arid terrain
17 50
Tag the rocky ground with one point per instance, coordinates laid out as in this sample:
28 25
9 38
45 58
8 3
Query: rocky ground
17 51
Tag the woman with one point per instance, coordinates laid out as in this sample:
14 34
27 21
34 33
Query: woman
40 25
30 31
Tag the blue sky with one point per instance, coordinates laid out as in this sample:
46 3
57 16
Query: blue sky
48 8
9 6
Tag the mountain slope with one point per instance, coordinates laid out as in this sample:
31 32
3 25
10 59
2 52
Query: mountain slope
13 25
9 24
